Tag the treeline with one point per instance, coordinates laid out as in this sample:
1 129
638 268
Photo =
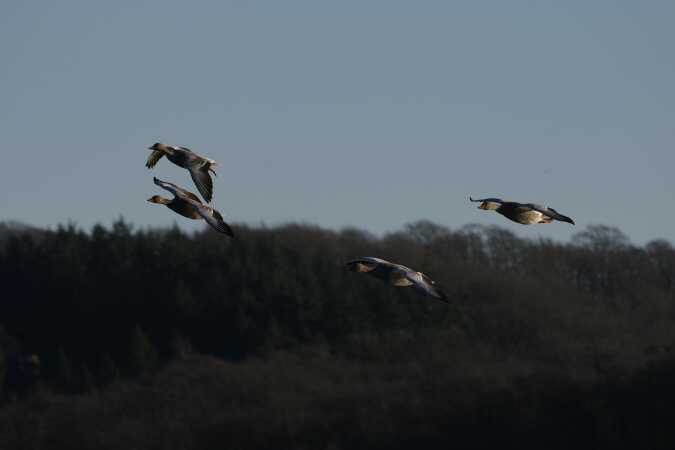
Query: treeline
81 310
94 304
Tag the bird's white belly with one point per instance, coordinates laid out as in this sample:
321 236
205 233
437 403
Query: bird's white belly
529 217
398 279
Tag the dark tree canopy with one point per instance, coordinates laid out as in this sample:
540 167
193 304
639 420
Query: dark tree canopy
529 324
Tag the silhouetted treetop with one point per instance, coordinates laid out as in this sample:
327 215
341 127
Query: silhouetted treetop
114 299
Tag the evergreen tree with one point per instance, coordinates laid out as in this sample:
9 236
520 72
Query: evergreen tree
86 379
143 352
180 346
3 369
64 371
108 371
283 287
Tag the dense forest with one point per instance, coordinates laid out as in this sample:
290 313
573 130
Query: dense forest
156 339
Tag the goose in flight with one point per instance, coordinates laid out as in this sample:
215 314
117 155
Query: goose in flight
396 275
198 166
188 205
523 213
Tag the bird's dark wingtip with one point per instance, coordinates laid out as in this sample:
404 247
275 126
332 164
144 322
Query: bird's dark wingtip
227 230
440 295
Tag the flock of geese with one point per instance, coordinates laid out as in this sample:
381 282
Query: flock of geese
185 202
189 205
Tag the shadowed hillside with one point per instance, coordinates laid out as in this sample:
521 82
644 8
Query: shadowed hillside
116 338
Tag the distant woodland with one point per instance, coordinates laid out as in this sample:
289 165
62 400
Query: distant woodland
115 338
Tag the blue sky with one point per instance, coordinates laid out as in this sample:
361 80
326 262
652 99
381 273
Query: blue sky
363 113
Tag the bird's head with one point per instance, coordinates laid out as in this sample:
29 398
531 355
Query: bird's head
352 266
357 266
158 199
489 206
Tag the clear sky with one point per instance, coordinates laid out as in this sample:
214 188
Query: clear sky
351 112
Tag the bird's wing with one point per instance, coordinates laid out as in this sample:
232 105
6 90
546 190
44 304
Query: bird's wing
155 156
550 212
202 179
522 207
493 200
191 196
369 263
176 191
369 259
185 208
215 219
425 285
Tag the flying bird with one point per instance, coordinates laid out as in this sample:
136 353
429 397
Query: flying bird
188 205
396 275
523 213
198 166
